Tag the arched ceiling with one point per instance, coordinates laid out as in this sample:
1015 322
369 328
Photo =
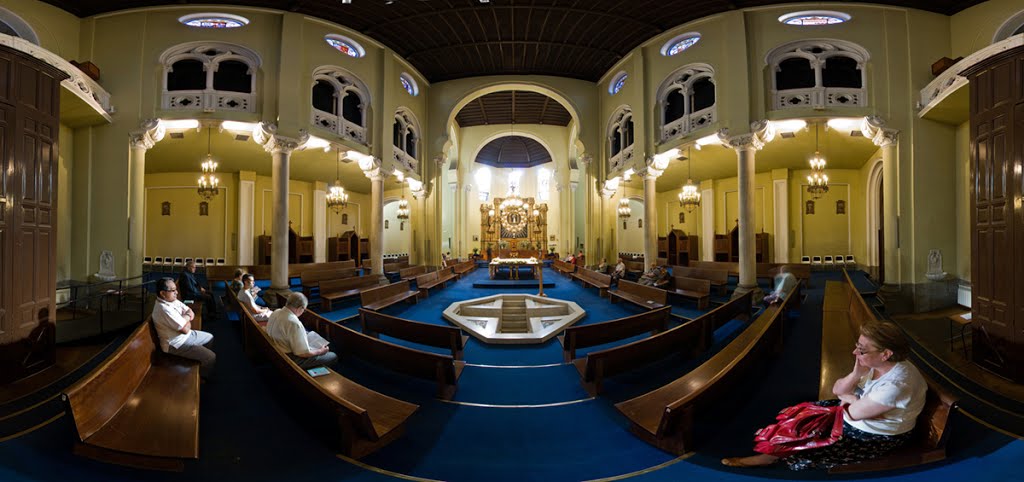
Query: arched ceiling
512 107
513 152
451 39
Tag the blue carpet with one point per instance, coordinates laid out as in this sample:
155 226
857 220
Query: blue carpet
512 386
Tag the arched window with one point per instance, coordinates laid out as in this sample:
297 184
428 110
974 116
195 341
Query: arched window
1012 26
620 139
687 101
818 73
13 25
543 184
340 103
515 181
409 84
209 76
345 45
617 82
405 137
483 183
680 43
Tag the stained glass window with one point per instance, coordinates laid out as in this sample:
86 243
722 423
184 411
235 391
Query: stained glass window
680 44
214 20
409 85
617 83
811 18
344 45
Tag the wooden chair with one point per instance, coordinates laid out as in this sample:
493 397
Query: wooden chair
139 408
428 334
385 296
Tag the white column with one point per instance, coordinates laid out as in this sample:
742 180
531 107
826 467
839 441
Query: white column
707 221
745 171
886 138
246 213
141 141
781 196
650 218
279 228
371 168
319 226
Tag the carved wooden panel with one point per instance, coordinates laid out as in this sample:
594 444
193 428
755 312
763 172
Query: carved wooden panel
997 137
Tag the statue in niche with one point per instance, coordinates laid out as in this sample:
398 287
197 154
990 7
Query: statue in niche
106 266
344 218
386 224
809 208
204 208
840 207
165 208
935 272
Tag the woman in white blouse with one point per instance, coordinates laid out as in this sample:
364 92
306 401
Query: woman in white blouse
882 398
247 298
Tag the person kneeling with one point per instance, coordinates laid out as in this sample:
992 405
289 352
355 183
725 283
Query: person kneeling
288 333
173 322
247 299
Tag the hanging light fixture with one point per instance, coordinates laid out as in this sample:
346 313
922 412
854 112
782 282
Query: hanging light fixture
403 206
337 198
208 182
817 182
624 210
689 197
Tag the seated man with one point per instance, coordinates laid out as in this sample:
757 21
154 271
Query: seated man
620 270
653 276
784 282
603 267
173 322
236 281
191 290
288 333
247 298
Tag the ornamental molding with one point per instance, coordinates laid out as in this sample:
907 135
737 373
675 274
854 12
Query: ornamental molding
266 136
83 87
950 81
874 128
149 133
761 133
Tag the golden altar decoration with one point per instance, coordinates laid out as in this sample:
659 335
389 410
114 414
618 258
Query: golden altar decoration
512 224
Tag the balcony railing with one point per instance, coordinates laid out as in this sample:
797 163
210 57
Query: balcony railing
819 98
209 101
688 123
339 126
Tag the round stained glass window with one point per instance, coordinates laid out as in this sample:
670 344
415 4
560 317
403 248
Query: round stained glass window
345 45
814 17
617 83
680 44
409 85
214 20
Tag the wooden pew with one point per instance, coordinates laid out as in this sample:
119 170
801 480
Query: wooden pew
296 270
574 337
719 278
590 277
410 273
366 420
565 268
428 334
634 269
695 289
763 270
430 280
312 278
463 268
339 289
664 417
695 336
395 267
645 296
844 312
443 369
385 296
139 408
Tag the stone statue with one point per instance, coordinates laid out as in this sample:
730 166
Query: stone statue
935 272
106 266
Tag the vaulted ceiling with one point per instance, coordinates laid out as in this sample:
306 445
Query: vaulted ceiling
513 107
513 152
451 39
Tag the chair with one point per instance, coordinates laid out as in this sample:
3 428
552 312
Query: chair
829 264
805 259
840 260
221 262
178 261
158 261
188 260
209 262
147 260
850 261
816 260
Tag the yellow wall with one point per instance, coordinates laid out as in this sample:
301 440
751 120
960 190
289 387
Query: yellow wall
973 28
185 233
962 267
57 30
64 202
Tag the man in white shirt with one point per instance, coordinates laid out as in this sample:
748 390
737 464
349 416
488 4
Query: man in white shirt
173 322
246 298
620 270
287 331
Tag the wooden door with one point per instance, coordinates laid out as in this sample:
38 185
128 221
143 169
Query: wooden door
997 131
29 107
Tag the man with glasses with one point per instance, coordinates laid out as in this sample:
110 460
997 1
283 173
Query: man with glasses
173 322
307 350
191 290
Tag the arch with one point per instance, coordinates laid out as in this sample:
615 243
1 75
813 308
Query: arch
617 82
406 139
350 118
1010 27
679 87
809 87
619 132
873 218
499 135
234 94
19 26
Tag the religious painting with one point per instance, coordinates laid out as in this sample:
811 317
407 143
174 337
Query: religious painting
386 224
476 238
204 208
552 237
401 226
640 223
623 225
809 209
682 217
840 207
165 208
344 218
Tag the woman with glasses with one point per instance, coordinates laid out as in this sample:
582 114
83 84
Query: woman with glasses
881 399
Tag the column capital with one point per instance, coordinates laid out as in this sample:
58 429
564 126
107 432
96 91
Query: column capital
273 143
371 167
419 189
874 128
761 133
149 133
586 160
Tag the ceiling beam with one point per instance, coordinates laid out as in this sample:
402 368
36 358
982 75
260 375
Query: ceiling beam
480 102
386 25
415 54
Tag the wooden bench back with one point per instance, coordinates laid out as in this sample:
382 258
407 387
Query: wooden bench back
635 266
312 277
395 267
592 275
727 266
345 284
716 276
701 286
414 331
609 331
798 270
386 291
426 278
97 397
300 269
563 266
223 273
417 363
260 271
645 292
412 271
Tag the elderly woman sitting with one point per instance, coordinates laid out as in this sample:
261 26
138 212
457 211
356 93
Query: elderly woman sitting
881 400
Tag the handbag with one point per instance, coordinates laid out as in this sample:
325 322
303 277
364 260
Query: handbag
800 427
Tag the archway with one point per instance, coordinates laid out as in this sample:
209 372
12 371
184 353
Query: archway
875 240
397 232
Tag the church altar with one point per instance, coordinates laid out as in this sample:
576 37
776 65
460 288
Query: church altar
514 264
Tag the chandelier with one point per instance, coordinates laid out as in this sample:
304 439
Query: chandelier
337 198
403 206
208 182
624 210
817 182
689 197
